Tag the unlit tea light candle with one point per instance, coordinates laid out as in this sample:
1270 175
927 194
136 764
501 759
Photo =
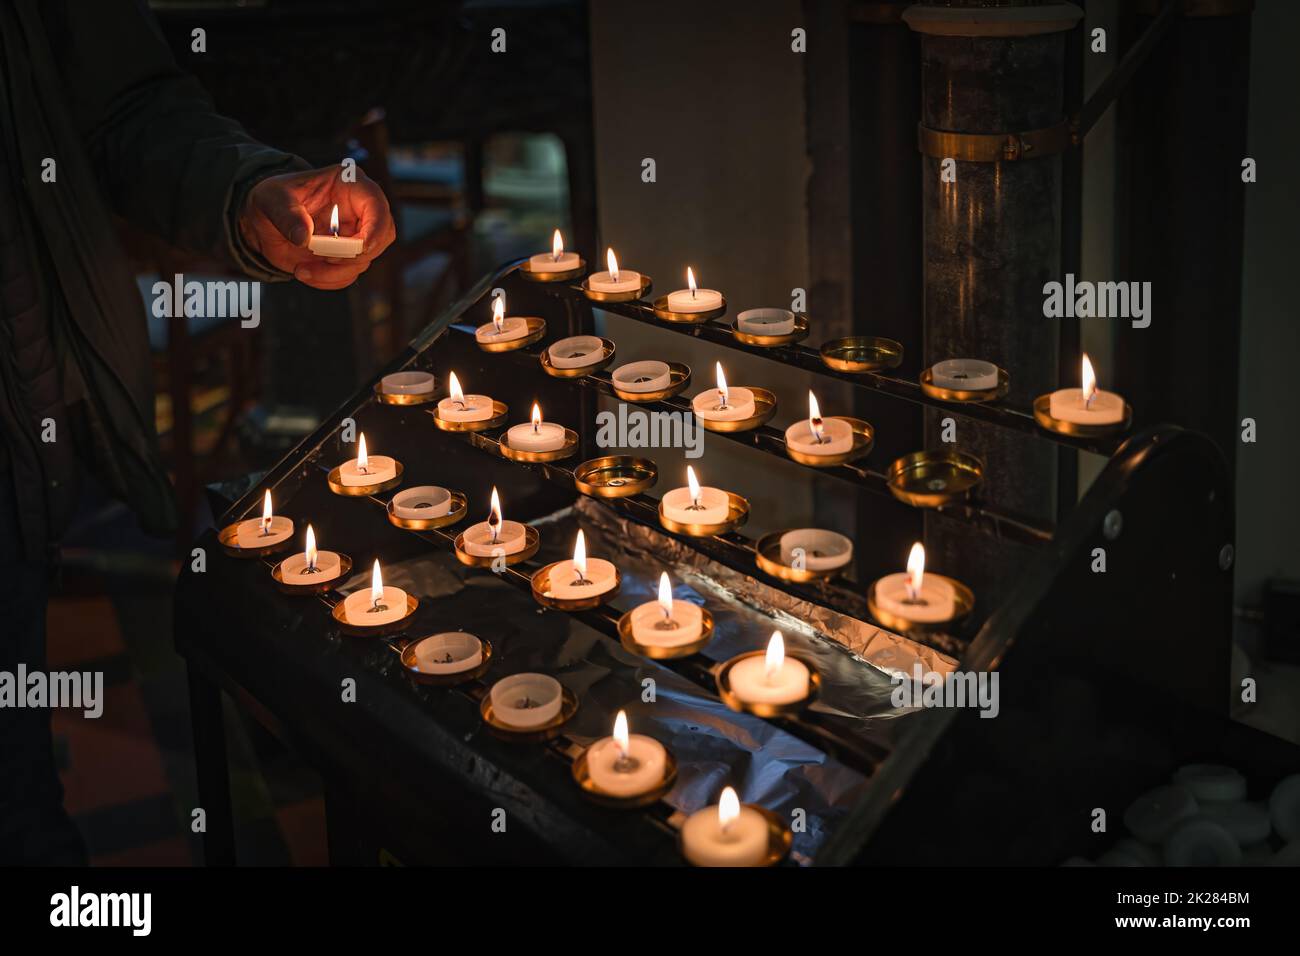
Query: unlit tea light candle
452 652
557 260
422 501
459 407
495 536
724 404
819 436
335 246
582 577
815 549
406 383
695 504
692 299
366 469
729 834
1088 405
770 679
501 328
537 435
665 622
311 566
376 605
614 279
576 351
915 597
963 374
765 322
647 376
264 532
626 765
527 700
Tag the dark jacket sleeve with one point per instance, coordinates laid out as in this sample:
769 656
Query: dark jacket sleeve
167 160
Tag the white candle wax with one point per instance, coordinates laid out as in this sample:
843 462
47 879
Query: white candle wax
564 582
547 262
642 771
448 653
819 550
576 351
512 327
935 604
765 322
964 374
837 437
543 436
708 405
752 684
475 408
406 383
478 539
628 281
526 700
743 842
359 607
648 376
1067 405
248 533
698 300
422 501
293 569
649 626
379 468
713 506
335 247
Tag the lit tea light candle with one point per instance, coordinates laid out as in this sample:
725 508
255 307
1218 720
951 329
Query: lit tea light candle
626 765
367 469
527 700
963 374
614 279
449 653
915 597
1087 405
576 351
696 505
536 435
815 549
765 322
647 376
665 622
376 605
311 566
726 835
335 246
495 537
819 436
266 531
692 299
557 260
501 328
724 404
582 577
460 407
770 679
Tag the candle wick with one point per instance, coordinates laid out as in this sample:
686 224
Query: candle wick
378 606
580 579
625 763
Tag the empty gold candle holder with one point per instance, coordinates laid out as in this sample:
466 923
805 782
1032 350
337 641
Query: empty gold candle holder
404 398
764 409
606 356
965 394
541 583
499 412
536 330
767 555
376 630
532 541
797 334
615 476
565 275
862 353
864 437
1043 415
679 376
658 653
932 479
780 838
963 604
661 311
582 777
547 731
722 675
630 296
229 535
566 450
410 664
737 515
458 510
361 491
311 590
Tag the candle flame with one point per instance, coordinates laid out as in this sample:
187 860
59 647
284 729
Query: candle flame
580 556
499 312
453 384
363 460
494 520
775 658
693 485
266 512
1089 381
620 735
723 394
557 246
916 570
690 281
537 417
728 808
334 220
376 585
815 417
611 263
310 550
666 595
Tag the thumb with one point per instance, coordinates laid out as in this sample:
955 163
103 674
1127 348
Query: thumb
289 216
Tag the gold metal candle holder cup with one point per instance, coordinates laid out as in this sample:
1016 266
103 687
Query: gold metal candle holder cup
767 555
656 652
541 582
661 311
582 777
310 590
410 664
779 837
361 491
932 479
565 275
615 476
229 535
737 515
547 731
532 541
458 510
760 709
1043 415
536 331
862 353
679 376
376 630
499 412
566 450
963 604
606 356
965 394
864 437
631 296
798 334
764 409
404 398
